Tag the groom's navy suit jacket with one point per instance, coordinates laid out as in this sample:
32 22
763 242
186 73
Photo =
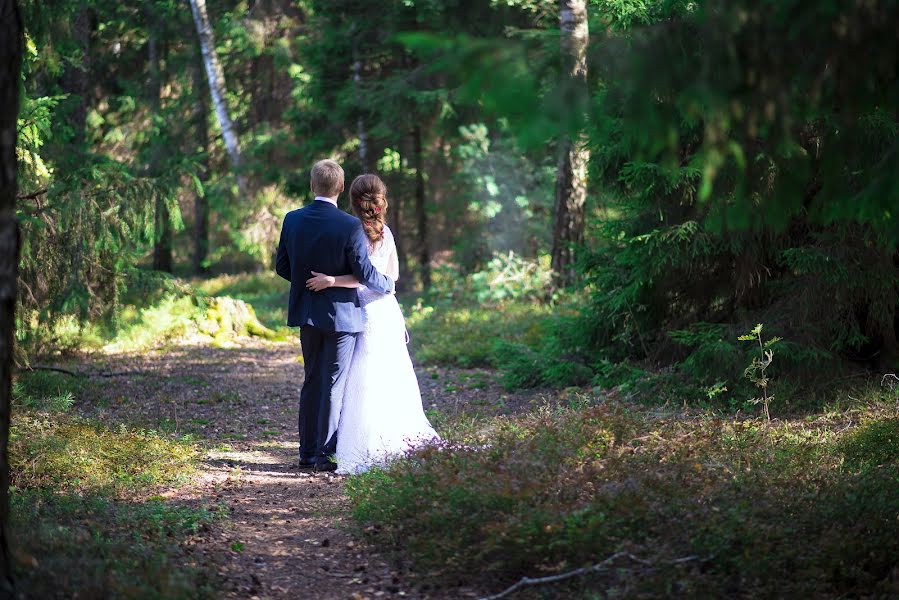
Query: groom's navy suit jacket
322 238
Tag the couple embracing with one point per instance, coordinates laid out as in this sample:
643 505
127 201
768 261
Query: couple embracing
360 402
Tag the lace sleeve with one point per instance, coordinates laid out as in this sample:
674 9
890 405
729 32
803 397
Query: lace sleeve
393 263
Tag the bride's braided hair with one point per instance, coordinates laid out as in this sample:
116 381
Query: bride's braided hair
368 195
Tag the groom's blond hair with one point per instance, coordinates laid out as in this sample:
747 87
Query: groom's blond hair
327 178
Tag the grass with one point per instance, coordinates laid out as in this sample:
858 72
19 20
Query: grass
801 508
464 336
92 547
86 516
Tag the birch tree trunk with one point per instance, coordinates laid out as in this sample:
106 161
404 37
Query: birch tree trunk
216 78
11 44
571 177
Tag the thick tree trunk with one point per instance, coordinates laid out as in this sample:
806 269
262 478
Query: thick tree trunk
571 178
201 203
421 214
216 77
162 247
11 44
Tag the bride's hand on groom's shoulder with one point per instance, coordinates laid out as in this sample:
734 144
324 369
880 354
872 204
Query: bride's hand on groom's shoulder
319 281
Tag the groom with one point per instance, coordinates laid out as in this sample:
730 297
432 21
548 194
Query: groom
321 237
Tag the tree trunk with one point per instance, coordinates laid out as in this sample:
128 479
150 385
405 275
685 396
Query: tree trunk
421 215
360 122
571 177
76 79
201 203
162 246
216 77
11 45
397 216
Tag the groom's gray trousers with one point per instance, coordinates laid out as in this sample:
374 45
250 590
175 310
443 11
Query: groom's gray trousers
326 356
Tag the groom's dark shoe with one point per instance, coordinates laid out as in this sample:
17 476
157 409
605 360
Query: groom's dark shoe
324 463
306 463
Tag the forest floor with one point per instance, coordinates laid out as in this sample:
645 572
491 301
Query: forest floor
289 533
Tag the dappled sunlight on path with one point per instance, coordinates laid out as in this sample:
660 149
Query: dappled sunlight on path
287 535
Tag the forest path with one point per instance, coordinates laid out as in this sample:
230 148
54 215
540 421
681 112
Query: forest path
286 536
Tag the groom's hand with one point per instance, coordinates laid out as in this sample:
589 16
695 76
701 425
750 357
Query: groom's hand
319 281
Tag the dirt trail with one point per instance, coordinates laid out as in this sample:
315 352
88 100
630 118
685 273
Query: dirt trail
287 535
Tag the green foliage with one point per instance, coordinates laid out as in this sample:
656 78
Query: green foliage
81 521
509 277
545 366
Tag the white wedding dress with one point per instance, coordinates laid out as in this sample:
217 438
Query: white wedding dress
382 415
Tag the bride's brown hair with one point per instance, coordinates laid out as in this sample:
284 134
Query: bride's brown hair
368 195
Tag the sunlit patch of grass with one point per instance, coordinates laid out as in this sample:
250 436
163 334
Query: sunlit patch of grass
748 504
69 453
164 310
463 336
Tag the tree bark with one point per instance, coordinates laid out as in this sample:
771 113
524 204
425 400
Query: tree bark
11 45
201 203
216 77
162 246
75 80
360 121
397 218
571 176
421 214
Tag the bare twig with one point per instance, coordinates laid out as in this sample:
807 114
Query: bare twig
80 374
891 375
32 195
597 568
56 369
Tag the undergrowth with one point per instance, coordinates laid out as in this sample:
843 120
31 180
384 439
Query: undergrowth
157 309
716 507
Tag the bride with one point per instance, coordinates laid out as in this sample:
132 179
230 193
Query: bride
382 414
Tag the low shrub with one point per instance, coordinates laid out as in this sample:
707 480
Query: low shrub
714 508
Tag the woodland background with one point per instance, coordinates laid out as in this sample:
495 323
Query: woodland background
678 221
